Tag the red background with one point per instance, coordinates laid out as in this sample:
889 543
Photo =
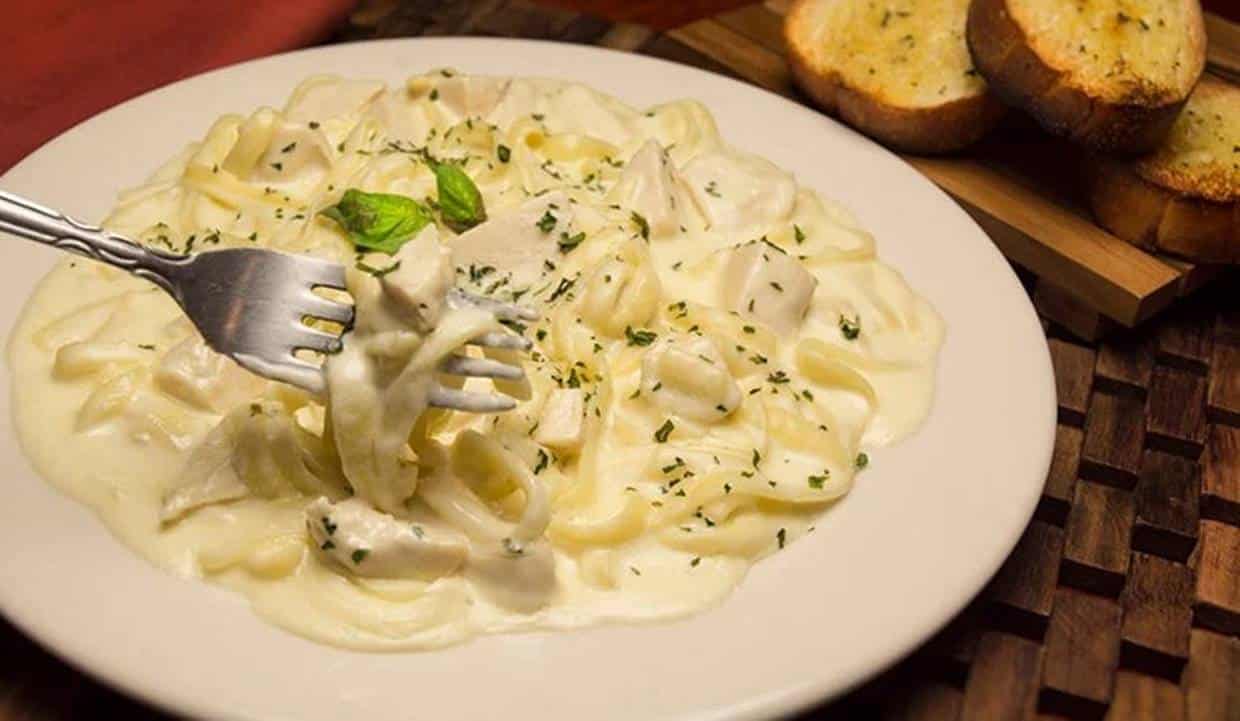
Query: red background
65 60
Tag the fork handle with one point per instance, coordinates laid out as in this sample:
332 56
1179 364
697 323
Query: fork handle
28 219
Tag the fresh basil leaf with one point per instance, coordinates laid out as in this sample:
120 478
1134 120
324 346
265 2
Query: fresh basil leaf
378 221
460 202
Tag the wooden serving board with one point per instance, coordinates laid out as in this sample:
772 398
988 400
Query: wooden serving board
1019 184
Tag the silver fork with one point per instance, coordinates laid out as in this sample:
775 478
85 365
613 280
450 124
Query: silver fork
250 304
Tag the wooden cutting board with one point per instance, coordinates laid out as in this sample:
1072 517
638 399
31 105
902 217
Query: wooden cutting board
1020 185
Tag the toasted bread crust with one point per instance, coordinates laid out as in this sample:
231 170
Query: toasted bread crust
1211 117
942 128
1006 57
1157 218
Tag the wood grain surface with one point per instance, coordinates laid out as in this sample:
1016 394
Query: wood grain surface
1018 183
1149 419
1167 497
1157 615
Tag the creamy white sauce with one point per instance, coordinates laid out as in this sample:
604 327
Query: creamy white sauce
716 348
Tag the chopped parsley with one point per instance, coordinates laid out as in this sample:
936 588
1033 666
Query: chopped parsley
639 337
547 222
503 153
782 537
377 272
766 241
798 233
477 273
850 328
665 430
359 555
816 482
862 461
568 242
643 227
565 285
696 560
543 460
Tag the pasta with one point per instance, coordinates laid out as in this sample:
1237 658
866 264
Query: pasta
717 352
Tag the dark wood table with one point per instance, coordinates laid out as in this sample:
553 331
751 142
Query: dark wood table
1122 601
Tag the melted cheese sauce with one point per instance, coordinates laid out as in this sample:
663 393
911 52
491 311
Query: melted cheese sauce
718 351
1201 155
1126 50
909 53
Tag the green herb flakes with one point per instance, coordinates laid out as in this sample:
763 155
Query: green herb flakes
639 337
643 227
850 328
568 242
377 272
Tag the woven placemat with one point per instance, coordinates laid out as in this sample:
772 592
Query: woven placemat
1122 600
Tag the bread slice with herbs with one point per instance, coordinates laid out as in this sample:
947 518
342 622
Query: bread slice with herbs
897 70
1184 198
1109 74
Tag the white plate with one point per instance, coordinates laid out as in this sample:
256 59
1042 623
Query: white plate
921 533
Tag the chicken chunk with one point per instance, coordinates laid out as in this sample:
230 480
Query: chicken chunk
769 285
